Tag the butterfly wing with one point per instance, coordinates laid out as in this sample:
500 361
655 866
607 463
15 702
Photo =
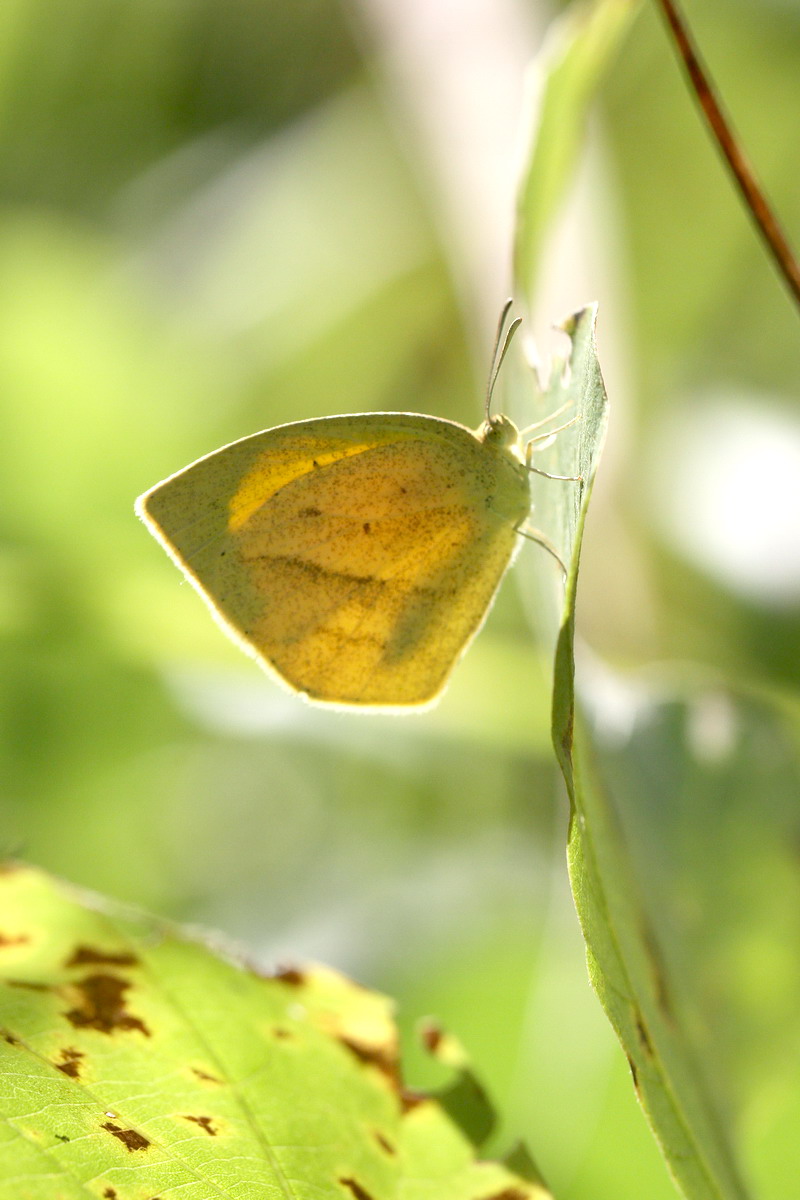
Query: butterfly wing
355 556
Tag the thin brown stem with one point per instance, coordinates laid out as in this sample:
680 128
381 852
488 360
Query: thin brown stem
760 210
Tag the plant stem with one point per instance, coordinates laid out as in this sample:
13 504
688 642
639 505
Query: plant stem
754 198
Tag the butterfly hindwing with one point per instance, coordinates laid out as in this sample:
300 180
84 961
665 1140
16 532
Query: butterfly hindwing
356 556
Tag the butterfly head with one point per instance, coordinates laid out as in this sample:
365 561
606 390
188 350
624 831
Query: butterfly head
501 433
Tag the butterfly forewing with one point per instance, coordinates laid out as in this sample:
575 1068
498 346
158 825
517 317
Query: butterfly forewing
355 556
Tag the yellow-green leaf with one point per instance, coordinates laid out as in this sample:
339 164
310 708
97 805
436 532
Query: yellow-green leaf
138 1064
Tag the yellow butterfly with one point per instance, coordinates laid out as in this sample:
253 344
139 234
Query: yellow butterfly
353 556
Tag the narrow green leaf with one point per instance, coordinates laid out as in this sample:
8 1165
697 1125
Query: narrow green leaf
579 47
575 390
628 973
137 1064
624 960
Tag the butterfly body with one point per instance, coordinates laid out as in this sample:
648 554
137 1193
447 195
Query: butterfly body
354 556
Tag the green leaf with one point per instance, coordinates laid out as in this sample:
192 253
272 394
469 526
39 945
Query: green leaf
578 50
705 780
575 390
576 386
628 973
622 948
685 878
137 1064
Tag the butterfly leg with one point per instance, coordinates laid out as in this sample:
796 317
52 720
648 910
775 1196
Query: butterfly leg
538 471
550 417
536 535
551 433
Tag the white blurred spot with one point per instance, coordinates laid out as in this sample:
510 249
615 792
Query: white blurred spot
617 704
727 484
711 727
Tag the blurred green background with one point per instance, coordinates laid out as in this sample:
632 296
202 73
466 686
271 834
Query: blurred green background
218 217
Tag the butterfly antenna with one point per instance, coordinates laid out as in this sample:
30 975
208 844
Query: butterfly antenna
498 354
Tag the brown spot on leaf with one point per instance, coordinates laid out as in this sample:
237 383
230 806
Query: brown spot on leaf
355 1187
30 985
109 1194
411 1098
70 1062
13 939
7 1036
567 736
367 527
310 511
86 956
204 1075
658 979
385 1058
204 1123
663 998
644 1037
62 1137
290 975
130 1139
432 1035
102 1006
634 1072
384 1142
280 1031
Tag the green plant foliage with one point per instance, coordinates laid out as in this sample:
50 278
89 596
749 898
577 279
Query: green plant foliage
727 895
667 920
137 1063
624 960
647 961
622 950
570 67
627 972
217 218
